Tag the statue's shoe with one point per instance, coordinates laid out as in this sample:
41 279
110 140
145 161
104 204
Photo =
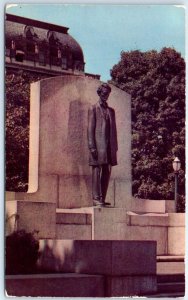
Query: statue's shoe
97 203
100 204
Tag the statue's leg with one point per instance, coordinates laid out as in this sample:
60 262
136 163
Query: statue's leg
96 183
105 177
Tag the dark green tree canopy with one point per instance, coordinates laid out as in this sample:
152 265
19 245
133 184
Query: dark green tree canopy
17 127
156 82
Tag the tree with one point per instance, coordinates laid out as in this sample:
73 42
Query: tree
17 128
156 82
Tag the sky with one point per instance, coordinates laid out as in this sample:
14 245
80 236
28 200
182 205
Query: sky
104 30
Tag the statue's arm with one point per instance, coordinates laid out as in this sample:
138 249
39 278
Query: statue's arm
91 130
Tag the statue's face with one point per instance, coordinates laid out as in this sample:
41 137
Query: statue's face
104 94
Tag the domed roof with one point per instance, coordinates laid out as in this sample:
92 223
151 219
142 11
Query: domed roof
15 28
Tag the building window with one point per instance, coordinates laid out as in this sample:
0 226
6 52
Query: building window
43 53
18 48
67 57
64 63
32 49
78 65
54 49
12 49
70 61
20 55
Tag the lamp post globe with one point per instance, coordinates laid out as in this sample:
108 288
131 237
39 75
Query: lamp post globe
176 164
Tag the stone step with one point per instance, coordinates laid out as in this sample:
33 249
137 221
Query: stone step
170 258
168 268
169 287
55 285
167 295
82 210
73 218
74 224
156 219
79 285
78 223
171 278
88 214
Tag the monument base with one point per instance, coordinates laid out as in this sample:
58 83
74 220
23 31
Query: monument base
79 285
108 223
90 269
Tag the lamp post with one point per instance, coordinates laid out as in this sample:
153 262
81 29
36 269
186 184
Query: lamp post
176 166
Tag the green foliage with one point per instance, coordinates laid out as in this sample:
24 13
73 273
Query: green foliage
22 252
156 82
17 128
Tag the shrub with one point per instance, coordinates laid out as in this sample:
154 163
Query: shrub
22 252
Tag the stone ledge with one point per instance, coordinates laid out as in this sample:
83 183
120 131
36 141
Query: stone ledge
165 258
131 285
170 267
81 210
73 218
147 219
152 206
55 285
156 219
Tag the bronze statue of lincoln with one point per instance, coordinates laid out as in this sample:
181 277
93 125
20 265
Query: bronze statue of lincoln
102 143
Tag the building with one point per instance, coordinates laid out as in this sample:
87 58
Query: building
41 47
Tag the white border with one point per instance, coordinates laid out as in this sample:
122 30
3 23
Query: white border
2 206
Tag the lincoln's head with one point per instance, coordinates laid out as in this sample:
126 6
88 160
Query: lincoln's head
104 91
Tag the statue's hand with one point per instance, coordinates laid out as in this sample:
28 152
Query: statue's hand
94 153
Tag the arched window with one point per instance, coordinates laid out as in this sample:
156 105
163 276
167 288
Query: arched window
78 65
67 58
19 48
32 48
54 49
52 39
43 53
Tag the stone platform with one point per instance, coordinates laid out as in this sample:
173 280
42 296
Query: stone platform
55 285
118 224
113 258
109 223
78 285
90 269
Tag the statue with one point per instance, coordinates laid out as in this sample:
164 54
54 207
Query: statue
102 143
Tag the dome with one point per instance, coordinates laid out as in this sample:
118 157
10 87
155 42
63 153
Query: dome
44 39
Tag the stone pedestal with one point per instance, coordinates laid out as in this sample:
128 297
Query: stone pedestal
31 216
61 110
